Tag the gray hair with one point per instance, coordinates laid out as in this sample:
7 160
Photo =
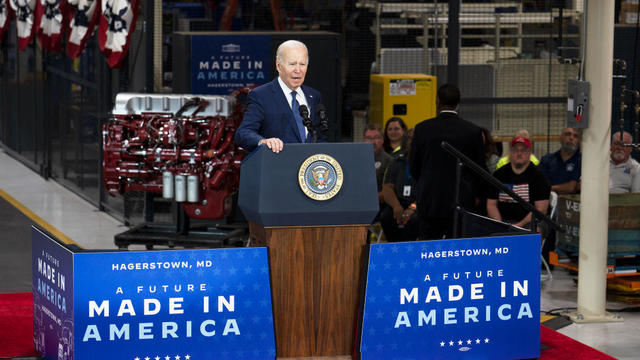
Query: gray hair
290 44
624 135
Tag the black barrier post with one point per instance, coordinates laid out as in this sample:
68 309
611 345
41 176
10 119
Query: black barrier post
456 199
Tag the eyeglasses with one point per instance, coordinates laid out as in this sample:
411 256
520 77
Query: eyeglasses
621 144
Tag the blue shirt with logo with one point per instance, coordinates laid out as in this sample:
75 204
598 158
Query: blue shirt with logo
560 172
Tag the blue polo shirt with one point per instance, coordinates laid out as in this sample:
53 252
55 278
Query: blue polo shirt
560 172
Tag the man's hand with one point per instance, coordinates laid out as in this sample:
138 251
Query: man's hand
274 144
406 215
397 214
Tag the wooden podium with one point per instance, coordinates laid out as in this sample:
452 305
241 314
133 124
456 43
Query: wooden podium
315 247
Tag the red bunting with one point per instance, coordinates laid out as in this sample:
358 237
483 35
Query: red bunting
117 23
83 15
5 17
24 12
50 23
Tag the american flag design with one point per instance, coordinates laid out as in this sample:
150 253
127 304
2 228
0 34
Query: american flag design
521 190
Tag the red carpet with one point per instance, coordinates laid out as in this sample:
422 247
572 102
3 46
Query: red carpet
563 347
16 325
16 333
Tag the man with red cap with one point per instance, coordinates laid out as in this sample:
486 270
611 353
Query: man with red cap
525 179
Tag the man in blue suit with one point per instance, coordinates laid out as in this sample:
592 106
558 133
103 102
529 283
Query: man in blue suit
272 117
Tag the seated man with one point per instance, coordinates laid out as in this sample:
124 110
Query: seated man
624 172
373 134
526 180
505 159
562 167
399 218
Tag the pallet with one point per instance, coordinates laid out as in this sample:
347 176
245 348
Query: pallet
629 283
619 265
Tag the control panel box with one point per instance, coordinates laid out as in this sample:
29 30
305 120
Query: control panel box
578 104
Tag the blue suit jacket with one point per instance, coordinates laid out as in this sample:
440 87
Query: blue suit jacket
269 115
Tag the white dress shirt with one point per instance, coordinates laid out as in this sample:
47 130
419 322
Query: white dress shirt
302 100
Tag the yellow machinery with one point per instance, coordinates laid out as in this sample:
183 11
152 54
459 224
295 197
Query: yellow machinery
411 97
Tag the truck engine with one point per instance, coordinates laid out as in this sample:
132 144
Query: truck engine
180 146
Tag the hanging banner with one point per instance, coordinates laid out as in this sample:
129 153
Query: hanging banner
473 298
50 20
83 16
24 12
117 23
5 17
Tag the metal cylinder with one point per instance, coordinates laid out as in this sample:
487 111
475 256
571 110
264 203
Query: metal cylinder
167 184
193 188
181 188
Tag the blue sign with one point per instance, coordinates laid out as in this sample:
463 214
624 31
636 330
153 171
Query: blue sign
453 299
52 268
221 64
174 304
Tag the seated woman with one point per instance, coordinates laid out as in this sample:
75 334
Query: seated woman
394 131
399 218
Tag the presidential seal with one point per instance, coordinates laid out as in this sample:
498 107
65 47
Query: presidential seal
320 177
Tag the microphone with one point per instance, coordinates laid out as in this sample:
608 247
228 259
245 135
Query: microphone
306 120
324 120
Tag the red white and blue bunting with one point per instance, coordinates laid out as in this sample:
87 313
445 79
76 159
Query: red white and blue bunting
5 17
50 20
117 23
84 15
24 11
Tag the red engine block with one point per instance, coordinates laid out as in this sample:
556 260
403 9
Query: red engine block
151 145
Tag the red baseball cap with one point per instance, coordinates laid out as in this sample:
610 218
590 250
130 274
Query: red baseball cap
521 140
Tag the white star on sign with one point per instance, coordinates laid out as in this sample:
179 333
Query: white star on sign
468 342
459 342
441 343
450 343
177 357
136 358
486 340
147 358
187 357
167 357
477 341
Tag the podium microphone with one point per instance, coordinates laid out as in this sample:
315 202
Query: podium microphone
308 123
306 120
324 120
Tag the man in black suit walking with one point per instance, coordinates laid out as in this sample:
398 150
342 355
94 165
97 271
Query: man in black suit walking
434 170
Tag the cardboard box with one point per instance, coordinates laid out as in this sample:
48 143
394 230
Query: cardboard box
629 12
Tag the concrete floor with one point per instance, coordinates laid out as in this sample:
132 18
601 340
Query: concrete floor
618 339
78 221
